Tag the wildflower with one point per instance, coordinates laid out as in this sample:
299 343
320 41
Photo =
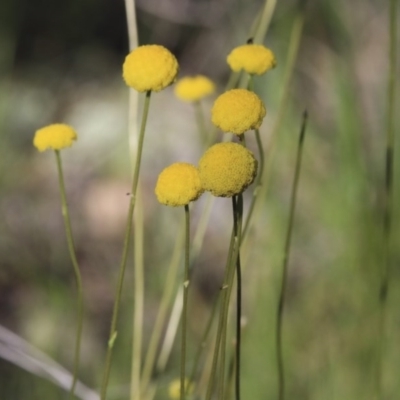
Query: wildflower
237 111
178 185
194 88
150 67
227 169
55 136
252 58
174 389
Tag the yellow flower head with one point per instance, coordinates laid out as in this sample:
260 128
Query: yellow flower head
237 111
56 137
252 58
227 169
194 88
150 67
178 185
174 389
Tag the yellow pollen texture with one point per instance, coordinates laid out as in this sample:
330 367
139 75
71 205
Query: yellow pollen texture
150 67
178 185
227 169
237 111
55 137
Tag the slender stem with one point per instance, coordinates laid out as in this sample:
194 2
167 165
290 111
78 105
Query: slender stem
281 377
237 207
265 19
388 199
131 23
71 249
185 301
165 302
257 184
137 331
239 211
201 122
122 267
224 295
204 339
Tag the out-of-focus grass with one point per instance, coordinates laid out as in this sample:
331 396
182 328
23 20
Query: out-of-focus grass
331 315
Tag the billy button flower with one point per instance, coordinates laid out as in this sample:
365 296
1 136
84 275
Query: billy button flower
150 68
55 137
237 111
227 169
178 185
194 88
252 58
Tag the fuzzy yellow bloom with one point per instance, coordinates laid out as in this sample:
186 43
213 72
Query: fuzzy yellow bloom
174 389
237 111
252 58
194 88
178 185
55 136
227 169
150 67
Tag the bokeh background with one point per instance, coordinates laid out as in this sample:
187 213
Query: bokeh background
61 61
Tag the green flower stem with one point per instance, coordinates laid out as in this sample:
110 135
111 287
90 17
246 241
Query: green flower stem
122 267
137 331
388 199
204 339
281 301
257 184
71 249
200 120
265 19
228 278
162 311
185 301
238 209
220 341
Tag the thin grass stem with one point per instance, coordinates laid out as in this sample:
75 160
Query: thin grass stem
186 281
122 267
282 292
78 278
204 339
239 211
138 309
162 311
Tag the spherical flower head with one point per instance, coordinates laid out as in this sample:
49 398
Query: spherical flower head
150 67
252 58
55 136
194 88
178 185
237 111
227 169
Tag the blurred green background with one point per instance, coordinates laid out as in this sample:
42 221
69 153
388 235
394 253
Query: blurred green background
61 61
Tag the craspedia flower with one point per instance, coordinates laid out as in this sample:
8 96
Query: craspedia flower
227 169
55 136
150 67
194 88
174 389
178 185
252 58
237 111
